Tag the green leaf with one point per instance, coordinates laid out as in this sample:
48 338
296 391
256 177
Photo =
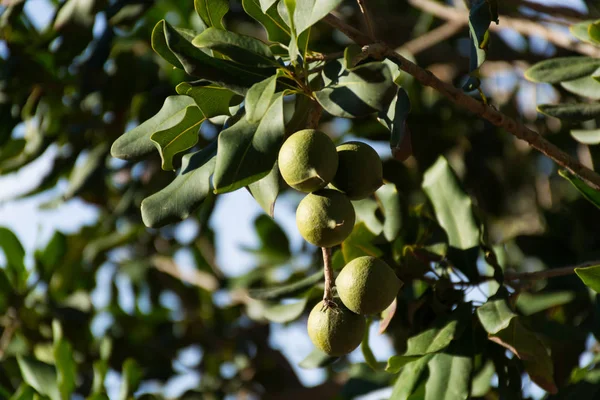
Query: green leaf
562 69
266 190
181 135
247 152
366 350
594 32
285 312
266 4
359 244
240 48
213 100
159 43
396 363
309 12
530 304
100 368
276 28
195 62
366 210
395 120
24 392
392 212
452 205
495 315
357 93
82 175
449 377
258 98
136 143
132 376
581 32
65 364
571 111
40 376
592 195
317 359
586 86
49 258
482 381
586 136
211 12
286 291
187 191
590 277
15 259
408 379
275 245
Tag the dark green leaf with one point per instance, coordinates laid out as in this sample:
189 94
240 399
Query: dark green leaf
449 377
571 111
395 120
81 175
40 376
241 48
159 43
266 190
132 376
15 258
594 32
55 250
357 93
592 195
286 291
275 244
495 314
409 378
99 246
212 100
452 205
276 28
65 364
24 392
392 212
181 135
228 74
591 136
211 12
359 244
562 69
285 312
258 99
187 191
136 143
317 359
586 86
247 152
590 276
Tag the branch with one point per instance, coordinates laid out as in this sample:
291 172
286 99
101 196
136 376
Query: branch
535 140
365 13
523 26
552 10
433 37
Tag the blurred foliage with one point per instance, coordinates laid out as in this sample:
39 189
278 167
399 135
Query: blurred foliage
467 205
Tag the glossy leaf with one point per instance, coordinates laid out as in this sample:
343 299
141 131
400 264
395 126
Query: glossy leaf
182 135
452 205
258 99
409 378
359 244
395 120
40 376
247 152
449 377
266 190
15 259
136 143
288 290
586 136
285 312
309 12
276 28
195 62
495 315
357 93
586 86
590 276
592 195
213 100
317 359
571 111
159 43
241 48
562 69
211 12
185 193
390 206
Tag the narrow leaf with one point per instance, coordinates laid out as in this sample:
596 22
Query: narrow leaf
390 205
285 312
395 120
15 258
571 111
562 69
132 376
286 291
581 32
366 350
592 195
586 86
317 359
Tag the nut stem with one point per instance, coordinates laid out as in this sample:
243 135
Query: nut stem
327 294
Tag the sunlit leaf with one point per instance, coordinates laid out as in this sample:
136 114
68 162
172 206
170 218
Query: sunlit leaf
586 136
258 99
586 86
40 376
449 377
590 276
211 12
276 28
409 378
288 290
317 359
495 314
266 190
359 244
560 69
592 195
392 211
213 100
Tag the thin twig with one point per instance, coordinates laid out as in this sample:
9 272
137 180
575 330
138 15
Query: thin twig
433 37
523 26
365 12
548 273
535 140
327 267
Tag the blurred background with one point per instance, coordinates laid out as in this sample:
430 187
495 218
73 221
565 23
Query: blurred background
166 310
